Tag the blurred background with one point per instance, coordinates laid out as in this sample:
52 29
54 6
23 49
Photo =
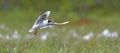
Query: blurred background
96 16
25 12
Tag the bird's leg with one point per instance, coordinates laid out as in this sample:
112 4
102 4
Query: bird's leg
35 32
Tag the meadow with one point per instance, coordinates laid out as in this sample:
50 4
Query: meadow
99 32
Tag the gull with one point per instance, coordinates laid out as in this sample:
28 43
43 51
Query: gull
43 22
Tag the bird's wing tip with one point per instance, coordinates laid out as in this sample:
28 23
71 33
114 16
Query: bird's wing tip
47 12
66 22
31 30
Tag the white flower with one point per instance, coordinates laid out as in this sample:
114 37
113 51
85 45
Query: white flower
29 36
1 36
88 36
44 36
7 37
16 35
114 34
3 27
106 33
74 34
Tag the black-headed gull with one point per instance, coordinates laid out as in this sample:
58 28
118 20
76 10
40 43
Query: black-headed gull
43 22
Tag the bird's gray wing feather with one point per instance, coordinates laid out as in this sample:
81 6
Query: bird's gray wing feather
42 17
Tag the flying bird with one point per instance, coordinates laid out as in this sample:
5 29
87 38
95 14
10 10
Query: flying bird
43 22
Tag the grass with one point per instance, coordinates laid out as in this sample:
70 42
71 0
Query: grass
60 39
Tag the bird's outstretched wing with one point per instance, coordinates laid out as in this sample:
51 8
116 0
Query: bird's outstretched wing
55 23
62 23
42 17
39 20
